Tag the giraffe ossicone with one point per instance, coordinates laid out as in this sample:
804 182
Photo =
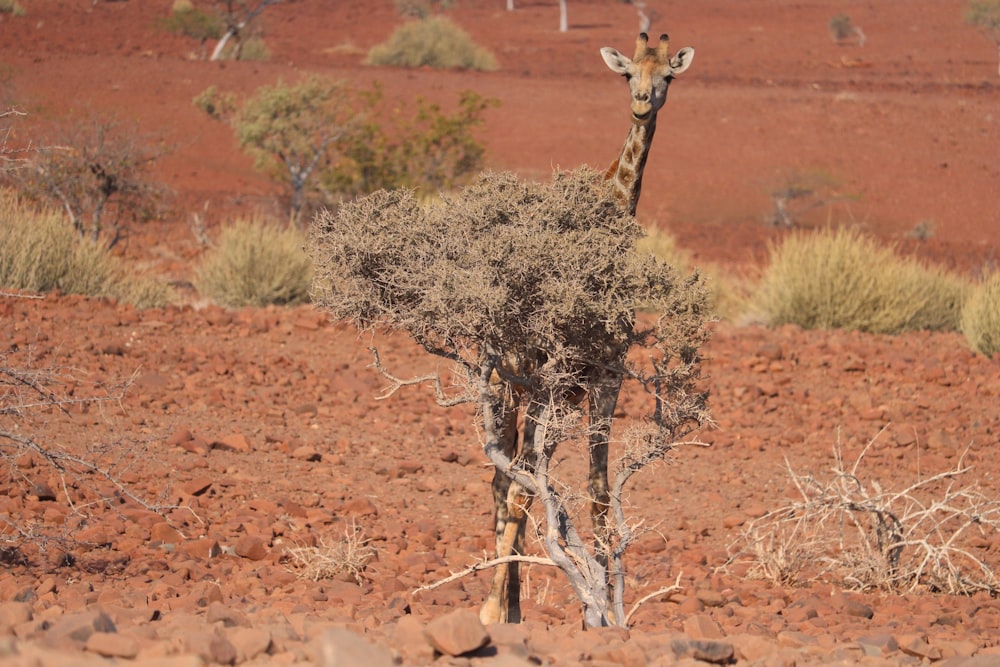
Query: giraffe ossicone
649 73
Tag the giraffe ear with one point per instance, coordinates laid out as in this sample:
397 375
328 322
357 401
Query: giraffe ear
681 60
616 62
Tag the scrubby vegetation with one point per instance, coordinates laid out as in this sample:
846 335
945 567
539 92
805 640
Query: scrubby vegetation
327 141
981 317
431 42
838 278
190 21
527 288
12 7
98 171
40 252
256 263
985 15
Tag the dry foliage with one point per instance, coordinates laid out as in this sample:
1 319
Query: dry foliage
256 263
434 41
981 317
40 252
98 171
840 279
926 537
530 289
347 556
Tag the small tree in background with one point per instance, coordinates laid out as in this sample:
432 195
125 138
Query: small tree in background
324 140
190 21
842 28
985 15
291 130
433 151
97 171
237 15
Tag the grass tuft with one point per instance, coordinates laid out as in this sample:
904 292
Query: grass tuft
256 263
41 252
432 42
981 317
840 279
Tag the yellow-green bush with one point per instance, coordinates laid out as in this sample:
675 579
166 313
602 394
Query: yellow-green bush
433 42
981 317
41 252
842 279
11 7
256 263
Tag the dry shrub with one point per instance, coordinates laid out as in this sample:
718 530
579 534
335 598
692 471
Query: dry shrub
530 290
347 556
926 537
841 279
41 252
662 245
981 317
432 42
256 263
729 291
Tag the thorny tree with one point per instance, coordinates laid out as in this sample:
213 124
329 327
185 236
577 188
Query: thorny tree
237 16
525 287
98 171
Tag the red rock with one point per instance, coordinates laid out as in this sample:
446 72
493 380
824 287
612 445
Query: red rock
306 453
112 645
251 547
198 486
13 614
165 533
249 642
457 633
211 646
701 626
203 548
236 442
342 647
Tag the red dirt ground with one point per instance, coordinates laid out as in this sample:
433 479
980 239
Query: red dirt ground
263 424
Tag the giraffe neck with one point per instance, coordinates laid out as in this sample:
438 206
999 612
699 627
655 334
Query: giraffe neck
626 172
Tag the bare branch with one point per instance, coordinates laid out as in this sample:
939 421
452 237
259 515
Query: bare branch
485 565
676 586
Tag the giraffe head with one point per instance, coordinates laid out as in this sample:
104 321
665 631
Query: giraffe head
649 73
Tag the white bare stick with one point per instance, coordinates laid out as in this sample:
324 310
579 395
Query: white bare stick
676 586
485 565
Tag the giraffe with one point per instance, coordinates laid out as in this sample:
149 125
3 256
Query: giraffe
649 74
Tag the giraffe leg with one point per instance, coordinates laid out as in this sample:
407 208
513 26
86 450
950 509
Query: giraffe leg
602 409
509 510
503 605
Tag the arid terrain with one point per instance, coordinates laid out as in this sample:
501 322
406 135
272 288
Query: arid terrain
261 430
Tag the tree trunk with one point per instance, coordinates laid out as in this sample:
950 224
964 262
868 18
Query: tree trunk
217 52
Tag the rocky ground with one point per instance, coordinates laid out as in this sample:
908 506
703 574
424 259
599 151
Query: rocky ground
245 435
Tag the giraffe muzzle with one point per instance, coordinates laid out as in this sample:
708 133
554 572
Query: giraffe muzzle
642 118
